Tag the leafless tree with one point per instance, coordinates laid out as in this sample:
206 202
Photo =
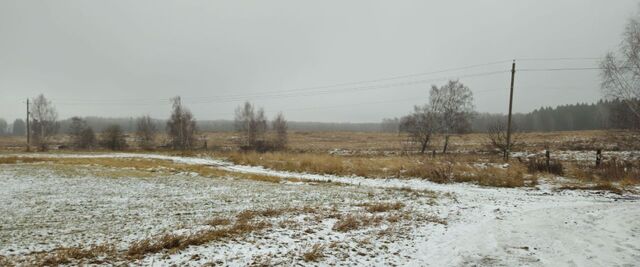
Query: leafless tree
419 126
45 122
243 122
449 111
452 105
621 73
113 138
82 136
279 126
181 126
497 136
251 125
146 132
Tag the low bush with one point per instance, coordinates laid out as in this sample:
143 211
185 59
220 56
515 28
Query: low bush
540 165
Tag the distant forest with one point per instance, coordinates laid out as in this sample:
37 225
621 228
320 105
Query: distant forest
605 114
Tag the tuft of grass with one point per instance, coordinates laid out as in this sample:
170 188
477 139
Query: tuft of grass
218 222
383 207
602 186
64 255
314 254
353 222
243 225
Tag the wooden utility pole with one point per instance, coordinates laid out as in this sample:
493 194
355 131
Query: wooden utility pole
28 128
508 150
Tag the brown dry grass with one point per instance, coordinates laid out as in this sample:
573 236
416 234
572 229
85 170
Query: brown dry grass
63 256
16 160
383 207
314 254
122 167
5 262
352 222
440 170
218 221
609 176
245 223
602 186
377 143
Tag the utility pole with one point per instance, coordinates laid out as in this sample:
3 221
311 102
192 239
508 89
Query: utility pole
28 128
508 150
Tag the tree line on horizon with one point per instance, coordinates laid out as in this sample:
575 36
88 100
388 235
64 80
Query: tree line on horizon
604 114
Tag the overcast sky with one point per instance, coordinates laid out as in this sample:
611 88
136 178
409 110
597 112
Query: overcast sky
127 58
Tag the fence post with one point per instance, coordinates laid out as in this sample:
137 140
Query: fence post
598 157
433 154
548 156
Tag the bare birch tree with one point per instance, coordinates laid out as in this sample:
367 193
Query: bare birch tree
44 123
419 126
452 105
181 126
252 127
146 132
279 126
621 72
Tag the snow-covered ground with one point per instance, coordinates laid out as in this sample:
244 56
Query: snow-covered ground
44 208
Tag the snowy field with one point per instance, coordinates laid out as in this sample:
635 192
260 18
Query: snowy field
46 206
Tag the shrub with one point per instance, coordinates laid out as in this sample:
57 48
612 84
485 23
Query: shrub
540 165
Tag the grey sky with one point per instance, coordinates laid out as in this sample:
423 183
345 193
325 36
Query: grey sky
126 58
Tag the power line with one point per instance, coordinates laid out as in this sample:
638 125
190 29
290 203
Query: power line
296 94
558 59
387 78
313 87
561 69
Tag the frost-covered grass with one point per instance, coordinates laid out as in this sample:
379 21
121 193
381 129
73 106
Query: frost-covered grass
54 215
190 211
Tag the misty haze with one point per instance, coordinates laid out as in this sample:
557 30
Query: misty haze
319 133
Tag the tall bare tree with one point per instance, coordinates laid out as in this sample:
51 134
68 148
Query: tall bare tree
251 125
279 126
449 111
45 122
146 132
419 126
113 138
243 122
82 136
621 71
181 126
453 107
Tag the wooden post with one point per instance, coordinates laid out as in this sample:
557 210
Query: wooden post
28 128
513 74
548 156
433 154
